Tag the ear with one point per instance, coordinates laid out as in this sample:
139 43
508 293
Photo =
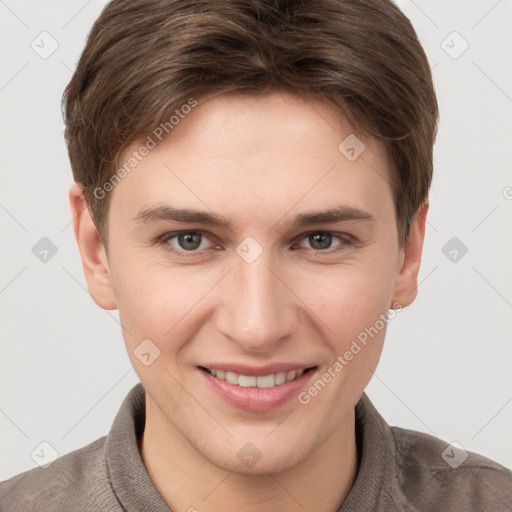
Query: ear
406 283
92 251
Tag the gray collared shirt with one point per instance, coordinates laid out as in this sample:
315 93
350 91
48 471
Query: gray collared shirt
399 470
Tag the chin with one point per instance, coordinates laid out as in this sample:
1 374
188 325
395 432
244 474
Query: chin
250 460
274 464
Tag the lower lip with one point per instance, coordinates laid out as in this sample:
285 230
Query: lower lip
257 399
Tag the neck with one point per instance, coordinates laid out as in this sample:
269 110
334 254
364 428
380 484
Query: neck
188 482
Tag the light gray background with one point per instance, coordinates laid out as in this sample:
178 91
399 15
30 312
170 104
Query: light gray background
447 363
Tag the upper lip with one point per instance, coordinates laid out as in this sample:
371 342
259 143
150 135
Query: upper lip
257 371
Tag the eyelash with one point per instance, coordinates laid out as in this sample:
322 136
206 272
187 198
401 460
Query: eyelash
345 239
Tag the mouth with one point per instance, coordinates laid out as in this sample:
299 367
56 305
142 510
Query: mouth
257 390
254 381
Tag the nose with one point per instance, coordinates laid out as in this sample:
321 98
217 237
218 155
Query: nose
259 309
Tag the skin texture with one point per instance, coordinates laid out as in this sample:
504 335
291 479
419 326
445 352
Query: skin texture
258 162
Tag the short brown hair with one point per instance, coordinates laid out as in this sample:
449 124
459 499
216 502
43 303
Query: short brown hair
145 59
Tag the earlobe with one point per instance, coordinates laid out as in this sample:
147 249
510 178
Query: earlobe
94 259
406 283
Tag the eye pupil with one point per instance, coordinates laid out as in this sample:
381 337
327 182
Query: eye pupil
322 238
191 241
188 238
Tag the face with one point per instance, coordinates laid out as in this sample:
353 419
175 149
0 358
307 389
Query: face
286 253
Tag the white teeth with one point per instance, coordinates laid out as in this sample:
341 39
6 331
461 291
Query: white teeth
246 381
280 378
232 377
291 375
250 381
268 381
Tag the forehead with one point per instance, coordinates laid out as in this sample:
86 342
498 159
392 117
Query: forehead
258 156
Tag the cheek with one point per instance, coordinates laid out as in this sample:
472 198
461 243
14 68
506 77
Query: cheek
161 304
167 305
354 304
349 298
150 308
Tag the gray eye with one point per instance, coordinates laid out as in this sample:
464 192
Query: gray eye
189 241
321 241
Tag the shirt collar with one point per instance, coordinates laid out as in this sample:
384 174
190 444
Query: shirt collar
376 486
128 475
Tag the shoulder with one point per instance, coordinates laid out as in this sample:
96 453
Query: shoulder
75 481
433 473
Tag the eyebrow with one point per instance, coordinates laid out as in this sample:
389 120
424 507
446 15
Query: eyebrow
160 213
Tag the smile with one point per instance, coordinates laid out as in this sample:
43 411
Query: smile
257 389
252 381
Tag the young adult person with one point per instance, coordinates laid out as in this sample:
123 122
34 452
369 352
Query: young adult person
251 189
